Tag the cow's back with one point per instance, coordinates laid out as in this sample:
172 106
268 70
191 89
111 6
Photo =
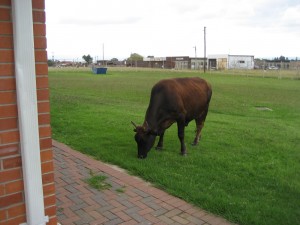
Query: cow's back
181 95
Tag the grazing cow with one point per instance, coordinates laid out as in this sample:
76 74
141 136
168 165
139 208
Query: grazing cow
179 100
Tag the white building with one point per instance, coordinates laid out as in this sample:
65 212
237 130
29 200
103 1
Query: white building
220 62
152 58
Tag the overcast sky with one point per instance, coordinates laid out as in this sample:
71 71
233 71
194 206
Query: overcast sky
263 28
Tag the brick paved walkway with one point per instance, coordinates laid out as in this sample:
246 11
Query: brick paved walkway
129 200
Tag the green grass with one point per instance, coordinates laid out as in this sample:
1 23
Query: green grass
98 182
246 167
121 190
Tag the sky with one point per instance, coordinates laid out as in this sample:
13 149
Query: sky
160 28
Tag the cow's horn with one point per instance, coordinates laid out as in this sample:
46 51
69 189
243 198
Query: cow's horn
146 126
133 124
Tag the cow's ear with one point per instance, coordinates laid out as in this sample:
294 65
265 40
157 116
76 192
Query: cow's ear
134 130
146 127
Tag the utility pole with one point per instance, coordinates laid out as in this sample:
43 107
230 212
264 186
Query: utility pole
195 57
103 55
204 49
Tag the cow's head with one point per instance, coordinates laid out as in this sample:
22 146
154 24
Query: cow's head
144 138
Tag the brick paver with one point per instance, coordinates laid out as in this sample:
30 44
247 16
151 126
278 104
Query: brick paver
128 201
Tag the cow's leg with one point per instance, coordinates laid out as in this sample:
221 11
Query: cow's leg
160 143
199 125
181 126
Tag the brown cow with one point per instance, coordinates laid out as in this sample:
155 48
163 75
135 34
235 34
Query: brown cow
179 100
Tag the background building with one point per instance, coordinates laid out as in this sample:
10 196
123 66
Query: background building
198 63
221 62
178 62
154 62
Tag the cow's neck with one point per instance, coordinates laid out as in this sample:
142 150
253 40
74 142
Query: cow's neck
156 121
151 118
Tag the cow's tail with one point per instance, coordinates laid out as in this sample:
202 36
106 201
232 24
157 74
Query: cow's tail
209 94
204 113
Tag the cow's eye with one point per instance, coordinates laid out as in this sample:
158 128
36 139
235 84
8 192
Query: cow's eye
138 138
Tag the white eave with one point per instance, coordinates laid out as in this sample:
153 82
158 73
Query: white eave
27 111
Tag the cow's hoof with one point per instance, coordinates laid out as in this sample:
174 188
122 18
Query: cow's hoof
158 148
183 153
195 143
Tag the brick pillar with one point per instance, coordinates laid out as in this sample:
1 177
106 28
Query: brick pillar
12 205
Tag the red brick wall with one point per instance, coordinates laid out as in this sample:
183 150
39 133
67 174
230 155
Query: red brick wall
12 205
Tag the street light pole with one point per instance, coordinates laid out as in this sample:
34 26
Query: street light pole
204 49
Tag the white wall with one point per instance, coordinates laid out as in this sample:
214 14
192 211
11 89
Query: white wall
240 62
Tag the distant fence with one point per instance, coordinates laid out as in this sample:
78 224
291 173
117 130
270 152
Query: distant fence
280 74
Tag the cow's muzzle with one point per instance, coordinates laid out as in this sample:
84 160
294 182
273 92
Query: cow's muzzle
142 156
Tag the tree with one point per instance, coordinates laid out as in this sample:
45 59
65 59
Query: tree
281 59
135 57
88 59
114 60
51 62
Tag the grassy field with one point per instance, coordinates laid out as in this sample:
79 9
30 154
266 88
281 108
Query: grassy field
247 165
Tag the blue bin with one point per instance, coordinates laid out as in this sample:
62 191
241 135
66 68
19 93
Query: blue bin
100 70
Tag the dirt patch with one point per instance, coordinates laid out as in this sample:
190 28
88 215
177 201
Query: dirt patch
263 108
